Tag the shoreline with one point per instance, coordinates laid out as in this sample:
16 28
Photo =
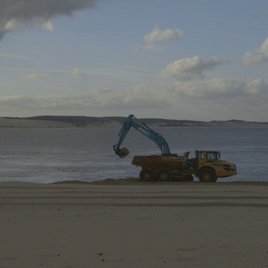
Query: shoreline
129 181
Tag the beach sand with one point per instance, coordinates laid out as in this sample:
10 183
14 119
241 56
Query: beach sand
134 225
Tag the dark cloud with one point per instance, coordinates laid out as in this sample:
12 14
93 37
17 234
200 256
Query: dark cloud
19 13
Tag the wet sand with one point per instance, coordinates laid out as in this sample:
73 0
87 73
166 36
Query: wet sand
134 225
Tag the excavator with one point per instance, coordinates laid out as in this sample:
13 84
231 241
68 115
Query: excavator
207 166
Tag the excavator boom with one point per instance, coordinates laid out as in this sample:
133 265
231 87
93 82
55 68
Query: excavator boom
144 129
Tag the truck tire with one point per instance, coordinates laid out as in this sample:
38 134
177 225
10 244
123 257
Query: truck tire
147 175
163 175
207 175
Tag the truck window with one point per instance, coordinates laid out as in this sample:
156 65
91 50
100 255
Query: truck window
213 156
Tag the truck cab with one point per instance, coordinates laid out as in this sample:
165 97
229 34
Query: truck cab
208 166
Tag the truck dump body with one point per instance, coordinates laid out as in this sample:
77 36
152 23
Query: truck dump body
158 161
163 167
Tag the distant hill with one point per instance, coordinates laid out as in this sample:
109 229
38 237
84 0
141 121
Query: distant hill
49 121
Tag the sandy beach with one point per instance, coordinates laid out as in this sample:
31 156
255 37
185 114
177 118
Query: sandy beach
133 225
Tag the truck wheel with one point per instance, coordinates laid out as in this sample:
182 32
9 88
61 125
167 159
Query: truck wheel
163 175
207 175
147 175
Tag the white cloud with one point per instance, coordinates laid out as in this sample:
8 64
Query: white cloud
188 68
12 56
206 99
47 24
17 23
34 76
161 36
258 56
15 14
108 102
218 89
79 73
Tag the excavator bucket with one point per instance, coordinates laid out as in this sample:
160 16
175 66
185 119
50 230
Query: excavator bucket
122 152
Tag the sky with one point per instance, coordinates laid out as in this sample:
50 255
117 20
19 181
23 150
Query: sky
179 59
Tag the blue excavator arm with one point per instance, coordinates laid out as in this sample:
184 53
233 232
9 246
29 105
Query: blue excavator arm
144 129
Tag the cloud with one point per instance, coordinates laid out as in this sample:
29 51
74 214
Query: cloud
12 56
103 101
188 68
79 73
161 36
48 25
258 56
207 99
34 76
16 14
218 89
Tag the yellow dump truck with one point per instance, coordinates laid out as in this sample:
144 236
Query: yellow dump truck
207 166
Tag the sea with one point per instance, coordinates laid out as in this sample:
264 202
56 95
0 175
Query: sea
50 155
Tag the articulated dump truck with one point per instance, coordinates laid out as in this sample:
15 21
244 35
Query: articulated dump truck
207 166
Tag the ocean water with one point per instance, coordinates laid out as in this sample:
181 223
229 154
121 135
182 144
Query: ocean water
50 155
